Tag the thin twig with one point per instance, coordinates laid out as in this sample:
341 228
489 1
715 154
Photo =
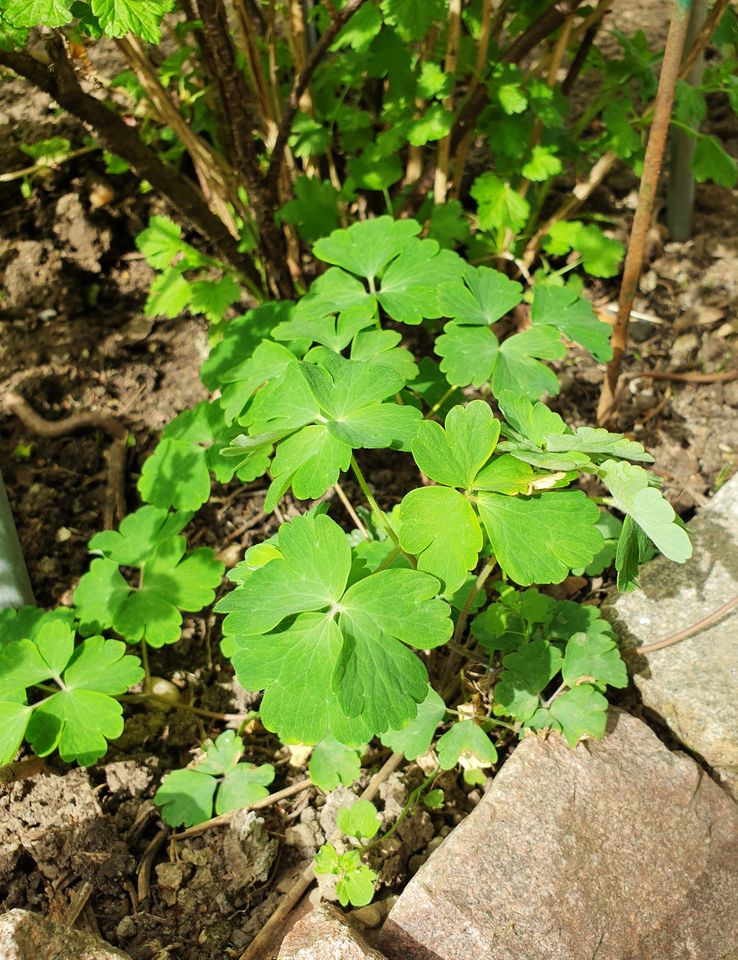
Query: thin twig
144 871
115 489
603 166
462 151
216 178
60 82
350 511
300 86
225 818
77 904
440 184
724 376
590 27
703 37
235 98
686 632
22 770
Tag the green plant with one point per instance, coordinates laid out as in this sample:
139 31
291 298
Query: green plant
354 880
169 579
74 684
342 631
218 780
420 626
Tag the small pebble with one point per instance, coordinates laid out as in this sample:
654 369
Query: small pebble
126 928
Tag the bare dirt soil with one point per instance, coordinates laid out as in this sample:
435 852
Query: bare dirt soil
73 338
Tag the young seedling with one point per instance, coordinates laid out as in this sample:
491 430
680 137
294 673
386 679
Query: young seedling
168 580
355 880
218 781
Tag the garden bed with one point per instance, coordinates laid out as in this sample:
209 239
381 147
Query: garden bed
74 339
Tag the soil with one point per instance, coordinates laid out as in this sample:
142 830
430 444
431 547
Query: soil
73 338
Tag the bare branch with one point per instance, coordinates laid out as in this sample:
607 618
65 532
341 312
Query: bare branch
300 86
60 82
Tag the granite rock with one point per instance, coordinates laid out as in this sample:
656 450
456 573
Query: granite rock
617 850
692 685
29 936
324 934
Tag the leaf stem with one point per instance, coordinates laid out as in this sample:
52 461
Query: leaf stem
388 560
554 696
145 656
380 515
454 658
439 403
410 805
178 705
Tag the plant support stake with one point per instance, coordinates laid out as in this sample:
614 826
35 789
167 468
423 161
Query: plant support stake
15 586
646 198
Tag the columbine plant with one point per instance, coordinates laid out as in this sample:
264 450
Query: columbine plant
372 632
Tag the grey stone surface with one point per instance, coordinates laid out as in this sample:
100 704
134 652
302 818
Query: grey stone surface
617 850
324 934
29 936
692 685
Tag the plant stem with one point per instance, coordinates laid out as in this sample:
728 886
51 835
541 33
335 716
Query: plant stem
379 514
37 167
388 560
646 200
454 659
145 656
439 403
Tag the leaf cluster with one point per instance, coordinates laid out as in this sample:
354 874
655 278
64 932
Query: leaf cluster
354 880
546 644
57 693
218 780
168 579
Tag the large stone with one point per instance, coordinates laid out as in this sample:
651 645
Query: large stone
324 934
692 685
616 850
29 936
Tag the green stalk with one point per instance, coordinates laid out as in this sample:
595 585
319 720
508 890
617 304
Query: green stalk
145 659
373 505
